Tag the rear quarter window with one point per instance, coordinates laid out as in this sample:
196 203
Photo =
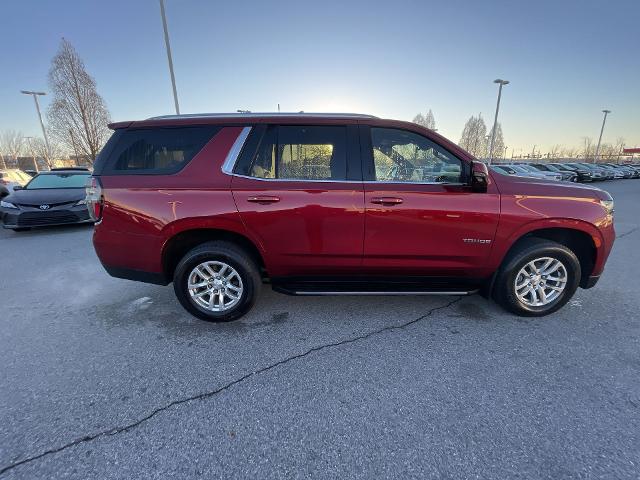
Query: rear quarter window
152 151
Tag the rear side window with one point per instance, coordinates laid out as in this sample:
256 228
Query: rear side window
302 153
157 151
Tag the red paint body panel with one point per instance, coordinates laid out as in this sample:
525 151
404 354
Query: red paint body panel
424 235
334 228
142 212
308 230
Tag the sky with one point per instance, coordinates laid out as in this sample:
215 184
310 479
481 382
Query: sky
566 61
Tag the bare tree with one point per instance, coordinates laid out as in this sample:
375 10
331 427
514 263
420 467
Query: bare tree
474 137
56 151
588 149
570 152
430 121
419 119
619 147
77 116
555 151
427 120
498 143
11 145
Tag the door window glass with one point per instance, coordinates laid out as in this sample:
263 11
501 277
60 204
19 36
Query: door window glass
302 153
403 156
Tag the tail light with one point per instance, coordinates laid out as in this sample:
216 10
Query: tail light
94 198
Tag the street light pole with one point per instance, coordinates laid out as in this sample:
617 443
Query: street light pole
44 132
169 58
604 119
495 119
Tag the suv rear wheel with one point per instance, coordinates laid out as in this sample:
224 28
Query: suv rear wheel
217 281
538 278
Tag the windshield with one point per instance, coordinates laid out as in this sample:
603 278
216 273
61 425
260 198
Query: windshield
503 169
519 169
58 180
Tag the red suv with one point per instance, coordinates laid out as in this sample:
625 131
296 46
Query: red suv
334 204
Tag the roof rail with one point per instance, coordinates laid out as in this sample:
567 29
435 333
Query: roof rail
261 114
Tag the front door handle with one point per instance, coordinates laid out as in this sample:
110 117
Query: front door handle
386 200
263 199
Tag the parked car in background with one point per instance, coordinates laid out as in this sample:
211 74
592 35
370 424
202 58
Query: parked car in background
330 204
523 172
617 173
597 174
548 175
11 178
546 167
583 174
50 198
629 172
504 169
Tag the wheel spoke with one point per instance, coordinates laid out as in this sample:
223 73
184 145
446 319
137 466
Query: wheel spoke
547 264
535 286
232 294
553 268
542 295
209 286
201 273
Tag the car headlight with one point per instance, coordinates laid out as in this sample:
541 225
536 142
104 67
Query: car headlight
7 204
81 202
608 205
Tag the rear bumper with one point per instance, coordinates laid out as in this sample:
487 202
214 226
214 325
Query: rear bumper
129 255
137 275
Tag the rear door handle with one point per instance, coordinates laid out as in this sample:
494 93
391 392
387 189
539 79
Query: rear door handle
386 200
264 199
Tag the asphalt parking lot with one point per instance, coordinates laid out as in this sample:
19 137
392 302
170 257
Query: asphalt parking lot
106 378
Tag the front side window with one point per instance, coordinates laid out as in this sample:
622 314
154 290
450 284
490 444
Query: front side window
302 153
403 156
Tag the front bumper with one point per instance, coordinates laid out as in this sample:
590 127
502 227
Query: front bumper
25 217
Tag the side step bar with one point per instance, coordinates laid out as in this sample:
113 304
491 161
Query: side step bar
379 289
354 293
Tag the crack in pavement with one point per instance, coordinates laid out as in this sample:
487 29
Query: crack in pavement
627 233
209 394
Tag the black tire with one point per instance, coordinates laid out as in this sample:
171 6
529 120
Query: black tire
230 254
530 249
21 229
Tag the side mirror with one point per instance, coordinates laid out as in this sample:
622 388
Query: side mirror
479 177
18 187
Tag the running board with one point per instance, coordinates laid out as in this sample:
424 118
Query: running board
381 292
374 288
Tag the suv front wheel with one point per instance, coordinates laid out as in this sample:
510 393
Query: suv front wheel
537 278
217 281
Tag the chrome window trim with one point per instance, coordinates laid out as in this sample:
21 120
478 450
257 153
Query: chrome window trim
232 157
296 179
302 180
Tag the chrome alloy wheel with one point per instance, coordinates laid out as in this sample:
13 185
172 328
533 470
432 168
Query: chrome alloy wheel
215 286
540 281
